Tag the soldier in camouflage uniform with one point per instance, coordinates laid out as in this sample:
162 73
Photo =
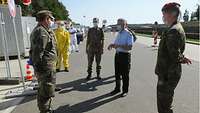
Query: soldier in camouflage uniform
94 48
44 56
170 57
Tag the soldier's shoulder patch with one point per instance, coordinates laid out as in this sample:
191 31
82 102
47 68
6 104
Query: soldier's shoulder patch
41 31
173 33
39 28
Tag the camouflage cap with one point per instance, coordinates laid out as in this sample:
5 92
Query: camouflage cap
44 13
95 20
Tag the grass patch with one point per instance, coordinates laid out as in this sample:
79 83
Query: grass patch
188 40
193 41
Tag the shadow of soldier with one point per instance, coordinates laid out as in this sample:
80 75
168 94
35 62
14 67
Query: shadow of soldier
84 85
13 102
87 105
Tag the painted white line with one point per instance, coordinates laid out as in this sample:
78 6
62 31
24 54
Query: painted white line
8 105
13 105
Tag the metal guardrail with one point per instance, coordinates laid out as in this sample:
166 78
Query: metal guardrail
192 33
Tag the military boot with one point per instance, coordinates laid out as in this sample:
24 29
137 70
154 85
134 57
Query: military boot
89 76
98 76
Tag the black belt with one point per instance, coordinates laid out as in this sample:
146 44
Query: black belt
123 53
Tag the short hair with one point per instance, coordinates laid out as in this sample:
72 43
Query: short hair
173 8
95 20
122 20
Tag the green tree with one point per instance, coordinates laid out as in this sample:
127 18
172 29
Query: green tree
58 9
186 16
197 12
195 15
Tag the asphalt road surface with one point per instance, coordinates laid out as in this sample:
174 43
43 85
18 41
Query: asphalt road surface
81 96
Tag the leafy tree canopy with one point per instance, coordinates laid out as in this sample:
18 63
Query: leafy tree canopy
59 10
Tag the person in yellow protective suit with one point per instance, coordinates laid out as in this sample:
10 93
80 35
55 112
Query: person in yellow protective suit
63 44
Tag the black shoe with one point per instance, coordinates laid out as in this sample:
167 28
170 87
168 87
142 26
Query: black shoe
57 70
114 92
58 88
66 70
124 94
99 78
50 111
88 77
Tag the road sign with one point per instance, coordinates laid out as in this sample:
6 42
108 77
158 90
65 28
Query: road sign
12 9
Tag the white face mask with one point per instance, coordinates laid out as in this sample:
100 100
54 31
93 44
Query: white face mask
51 24
67 27
119 27
95 24
63 27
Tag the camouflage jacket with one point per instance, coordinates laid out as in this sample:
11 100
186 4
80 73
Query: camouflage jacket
43 49
170 52
95 39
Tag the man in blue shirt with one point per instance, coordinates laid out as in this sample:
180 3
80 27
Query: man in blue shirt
123 45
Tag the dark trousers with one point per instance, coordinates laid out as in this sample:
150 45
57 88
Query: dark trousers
165 92
122 69
91 56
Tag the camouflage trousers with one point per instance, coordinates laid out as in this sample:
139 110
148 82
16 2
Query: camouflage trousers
91 56
165 92
46 90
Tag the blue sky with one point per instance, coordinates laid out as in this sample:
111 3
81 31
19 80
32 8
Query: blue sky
134 11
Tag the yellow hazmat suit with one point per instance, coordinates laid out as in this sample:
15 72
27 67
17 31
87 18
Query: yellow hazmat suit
63 44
